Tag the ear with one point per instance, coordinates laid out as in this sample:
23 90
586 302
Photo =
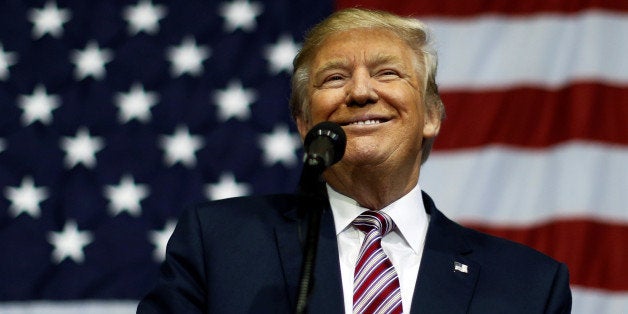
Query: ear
431 125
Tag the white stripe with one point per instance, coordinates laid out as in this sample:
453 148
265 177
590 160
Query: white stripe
544 49
514 186
586 301
69 307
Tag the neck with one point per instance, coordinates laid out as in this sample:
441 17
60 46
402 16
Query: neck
371 186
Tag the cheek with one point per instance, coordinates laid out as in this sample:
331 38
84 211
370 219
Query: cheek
401 95
323 104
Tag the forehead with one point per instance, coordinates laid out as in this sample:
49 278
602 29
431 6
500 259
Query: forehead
363 44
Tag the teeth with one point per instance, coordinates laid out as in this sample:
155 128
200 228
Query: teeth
366 122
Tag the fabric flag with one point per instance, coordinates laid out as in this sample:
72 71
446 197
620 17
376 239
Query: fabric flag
535 144
116 115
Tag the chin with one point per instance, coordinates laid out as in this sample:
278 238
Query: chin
367 157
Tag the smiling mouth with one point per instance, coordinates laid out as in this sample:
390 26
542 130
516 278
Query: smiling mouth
365 122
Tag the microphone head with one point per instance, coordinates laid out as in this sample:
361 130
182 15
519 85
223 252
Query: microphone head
331 133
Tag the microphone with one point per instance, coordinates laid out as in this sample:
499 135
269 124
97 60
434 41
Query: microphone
324 146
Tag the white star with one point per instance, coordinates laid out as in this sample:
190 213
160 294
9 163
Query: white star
234 101
136 104
240 14
280 54
181 147
280 146
160 240
7 59
48 20
81 149
144 17
187 57
126 196
38 106
226 187
69 243
90 61
26 198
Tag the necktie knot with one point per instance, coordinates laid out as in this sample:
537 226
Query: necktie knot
374 220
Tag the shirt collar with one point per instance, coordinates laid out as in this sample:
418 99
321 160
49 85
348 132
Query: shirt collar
408 213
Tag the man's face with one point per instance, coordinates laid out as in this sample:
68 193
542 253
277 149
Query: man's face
366 80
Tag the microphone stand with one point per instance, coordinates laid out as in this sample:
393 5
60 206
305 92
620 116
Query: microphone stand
312 196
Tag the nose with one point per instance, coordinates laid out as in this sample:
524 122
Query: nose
360 92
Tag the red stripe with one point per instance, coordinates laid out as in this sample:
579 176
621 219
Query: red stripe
476 7
595 252
532 117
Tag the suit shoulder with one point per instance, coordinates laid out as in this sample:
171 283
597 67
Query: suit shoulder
500 251
491 248
527 277
246 206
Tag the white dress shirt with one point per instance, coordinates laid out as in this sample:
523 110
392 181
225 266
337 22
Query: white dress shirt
403 245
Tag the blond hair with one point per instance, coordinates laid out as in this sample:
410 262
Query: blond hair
410 30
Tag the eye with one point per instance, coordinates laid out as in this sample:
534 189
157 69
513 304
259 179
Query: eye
334 77
333 80
388 73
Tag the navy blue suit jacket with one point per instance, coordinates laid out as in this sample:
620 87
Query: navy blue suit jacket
243 255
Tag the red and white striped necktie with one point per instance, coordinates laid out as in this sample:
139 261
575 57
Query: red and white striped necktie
375 282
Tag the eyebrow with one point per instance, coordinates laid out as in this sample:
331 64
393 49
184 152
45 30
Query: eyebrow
380 59
332 64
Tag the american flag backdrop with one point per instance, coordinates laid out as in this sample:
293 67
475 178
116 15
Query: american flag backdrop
116 115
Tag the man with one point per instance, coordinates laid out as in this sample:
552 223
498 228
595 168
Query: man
373 73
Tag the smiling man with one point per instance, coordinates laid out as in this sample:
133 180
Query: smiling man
369 82
384 246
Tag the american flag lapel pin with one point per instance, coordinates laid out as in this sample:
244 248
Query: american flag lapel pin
463 268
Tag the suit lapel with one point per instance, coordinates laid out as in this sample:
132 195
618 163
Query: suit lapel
290 253
326 296
442 289
447 277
